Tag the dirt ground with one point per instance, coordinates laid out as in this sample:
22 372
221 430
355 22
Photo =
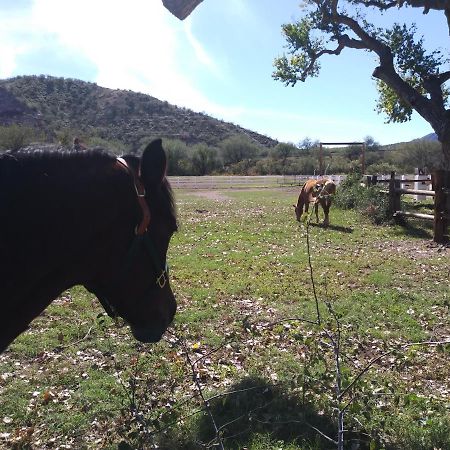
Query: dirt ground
211 195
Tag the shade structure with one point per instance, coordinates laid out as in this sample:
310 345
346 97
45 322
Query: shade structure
181 8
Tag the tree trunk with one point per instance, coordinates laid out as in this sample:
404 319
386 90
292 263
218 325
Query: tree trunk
446 154
444 138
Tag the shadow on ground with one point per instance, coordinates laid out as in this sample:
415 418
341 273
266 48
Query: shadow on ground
418 229
339 228
255 410
255 414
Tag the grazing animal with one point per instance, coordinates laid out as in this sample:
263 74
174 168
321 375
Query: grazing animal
86 218
318 192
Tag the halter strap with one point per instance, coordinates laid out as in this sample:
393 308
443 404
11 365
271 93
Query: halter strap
141 239
144 241
141 236
140 192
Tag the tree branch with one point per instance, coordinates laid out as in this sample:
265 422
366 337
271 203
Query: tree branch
200 391
437 5
431 111
317 56
433 85
425 4
381 5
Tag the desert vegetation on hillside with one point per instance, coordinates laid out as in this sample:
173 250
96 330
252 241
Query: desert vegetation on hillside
240 155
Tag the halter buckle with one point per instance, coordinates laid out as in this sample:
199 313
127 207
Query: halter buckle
162 279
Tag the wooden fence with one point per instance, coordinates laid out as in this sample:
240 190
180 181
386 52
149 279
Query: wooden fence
243 182
440 182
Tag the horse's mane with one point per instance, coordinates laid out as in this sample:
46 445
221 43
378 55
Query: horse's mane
11 162
34 156
37 154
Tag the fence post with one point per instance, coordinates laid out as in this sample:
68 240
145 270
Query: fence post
391 193
321 159
417 185
394 198
363 159
441 184
371 180
402 184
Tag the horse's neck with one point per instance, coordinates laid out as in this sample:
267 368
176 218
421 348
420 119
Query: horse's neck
56 224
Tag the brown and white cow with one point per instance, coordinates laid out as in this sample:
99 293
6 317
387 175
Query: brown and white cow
318 192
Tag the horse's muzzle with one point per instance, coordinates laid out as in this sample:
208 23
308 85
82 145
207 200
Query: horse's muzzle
145 335
153 332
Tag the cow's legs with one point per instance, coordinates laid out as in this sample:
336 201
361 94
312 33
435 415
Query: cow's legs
316 210
326 209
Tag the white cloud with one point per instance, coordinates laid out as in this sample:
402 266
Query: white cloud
14 40
7 60
133 45
123 39
200 52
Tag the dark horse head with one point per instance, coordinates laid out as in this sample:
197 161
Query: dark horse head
88 218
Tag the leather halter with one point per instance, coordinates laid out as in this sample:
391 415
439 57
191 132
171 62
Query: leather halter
142 239
140 192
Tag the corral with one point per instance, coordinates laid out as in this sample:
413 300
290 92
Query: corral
239 269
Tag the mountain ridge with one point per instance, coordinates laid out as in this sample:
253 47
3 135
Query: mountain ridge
428 137
55 103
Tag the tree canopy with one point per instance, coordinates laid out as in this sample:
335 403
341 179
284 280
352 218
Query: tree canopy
408 76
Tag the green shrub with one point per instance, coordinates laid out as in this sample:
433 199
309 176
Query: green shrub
14 137
369 201
238 148
382 167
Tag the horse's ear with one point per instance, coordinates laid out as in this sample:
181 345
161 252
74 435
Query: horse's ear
153 163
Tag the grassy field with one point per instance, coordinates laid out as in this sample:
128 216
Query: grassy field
243 339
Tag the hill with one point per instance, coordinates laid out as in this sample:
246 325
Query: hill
430 137
55 104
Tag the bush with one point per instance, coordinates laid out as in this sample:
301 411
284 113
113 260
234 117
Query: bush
204 159
369 201
114 145
382 168
237 148
14 137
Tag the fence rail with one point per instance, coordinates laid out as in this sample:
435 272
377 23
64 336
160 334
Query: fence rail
416 191
242 182
440 184
421 183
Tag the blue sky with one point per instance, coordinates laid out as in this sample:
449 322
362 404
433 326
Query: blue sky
218 61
